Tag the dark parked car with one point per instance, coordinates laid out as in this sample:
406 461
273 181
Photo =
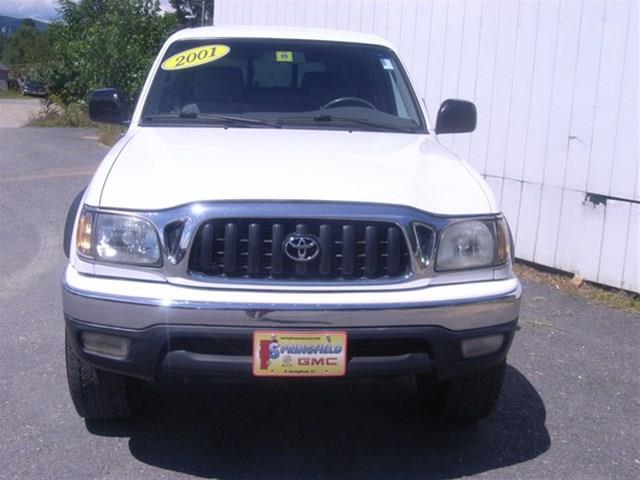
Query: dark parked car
34 88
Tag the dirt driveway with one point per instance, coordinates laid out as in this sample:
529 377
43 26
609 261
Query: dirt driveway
17 112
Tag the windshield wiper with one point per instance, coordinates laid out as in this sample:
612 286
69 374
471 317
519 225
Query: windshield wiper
230 119
213 118
326 117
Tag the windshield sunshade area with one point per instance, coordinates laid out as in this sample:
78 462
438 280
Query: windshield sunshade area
282 84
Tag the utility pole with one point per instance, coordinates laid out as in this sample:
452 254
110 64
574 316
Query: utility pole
206 16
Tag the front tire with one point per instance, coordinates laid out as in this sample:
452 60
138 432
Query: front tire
467 398
96 394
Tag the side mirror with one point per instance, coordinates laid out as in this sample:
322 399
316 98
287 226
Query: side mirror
109 105
456 116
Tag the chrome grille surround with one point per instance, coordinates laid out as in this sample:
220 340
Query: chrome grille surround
177 228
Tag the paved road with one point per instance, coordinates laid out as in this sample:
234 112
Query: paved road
18 112
570 407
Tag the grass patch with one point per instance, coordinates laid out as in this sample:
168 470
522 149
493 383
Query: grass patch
10 94
109 134
75 115
611 297
53 115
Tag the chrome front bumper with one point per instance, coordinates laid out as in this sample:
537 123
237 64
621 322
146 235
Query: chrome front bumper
137 305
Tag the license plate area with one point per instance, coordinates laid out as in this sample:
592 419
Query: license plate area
299 354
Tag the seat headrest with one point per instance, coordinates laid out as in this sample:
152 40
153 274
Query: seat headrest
320 80
322 87
217 83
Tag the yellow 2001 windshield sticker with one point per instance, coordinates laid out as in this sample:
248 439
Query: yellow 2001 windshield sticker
195 57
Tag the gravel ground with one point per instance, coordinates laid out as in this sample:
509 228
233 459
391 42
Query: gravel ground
569 409
17 112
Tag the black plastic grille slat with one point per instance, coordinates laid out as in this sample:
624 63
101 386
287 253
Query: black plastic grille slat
370 251
301 267
348 249
277 256
393 251
254 249
230 247
324 266
206 245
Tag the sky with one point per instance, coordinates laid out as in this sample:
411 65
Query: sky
38 9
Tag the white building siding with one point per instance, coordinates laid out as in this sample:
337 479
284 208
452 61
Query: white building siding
556 86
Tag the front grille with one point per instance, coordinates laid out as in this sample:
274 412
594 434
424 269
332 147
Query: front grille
357 347
253 248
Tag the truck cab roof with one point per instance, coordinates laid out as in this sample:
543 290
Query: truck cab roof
285 33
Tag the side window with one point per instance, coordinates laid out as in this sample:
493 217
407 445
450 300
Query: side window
403 107
397 97
378 88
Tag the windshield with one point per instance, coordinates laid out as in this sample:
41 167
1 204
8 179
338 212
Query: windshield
282 84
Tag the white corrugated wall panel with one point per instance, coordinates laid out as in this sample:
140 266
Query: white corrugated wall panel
547 227
465 82
566 254
614 43
556 86
625 175
495 157
520 100
611 261
631 274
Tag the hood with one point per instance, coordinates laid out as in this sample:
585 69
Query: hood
163 167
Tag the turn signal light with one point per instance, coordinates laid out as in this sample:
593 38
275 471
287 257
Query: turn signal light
106 345
83 233
474 347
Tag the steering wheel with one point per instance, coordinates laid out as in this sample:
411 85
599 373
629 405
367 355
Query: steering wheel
359 100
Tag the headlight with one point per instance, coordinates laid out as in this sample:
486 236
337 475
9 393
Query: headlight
473 244
118 239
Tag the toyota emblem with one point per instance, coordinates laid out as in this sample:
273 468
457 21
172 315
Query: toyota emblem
301 247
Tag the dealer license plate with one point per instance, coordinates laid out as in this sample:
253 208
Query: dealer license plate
299 354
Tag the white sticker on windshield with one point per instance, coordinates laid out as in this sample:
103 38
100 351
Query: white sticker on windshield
386 64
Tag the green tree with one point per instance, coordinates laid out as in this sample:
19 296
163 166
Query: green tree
105 43
27 50
29 23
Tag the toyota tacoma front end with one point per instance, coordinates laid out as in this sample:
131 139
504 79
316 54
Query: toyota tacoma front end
280 206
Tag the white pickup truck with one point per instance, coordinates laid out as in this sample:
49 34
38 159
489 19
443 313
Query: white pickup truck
280 206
